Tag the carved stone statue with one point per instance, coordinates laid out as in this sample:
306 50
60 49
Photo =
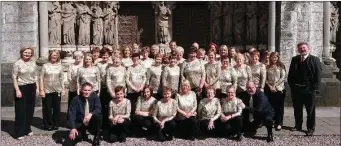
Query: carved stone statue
83 21
251 19
97 37
68 16
54 24
109 17
163 13
334 22
228 23
263 23
215 8
239 23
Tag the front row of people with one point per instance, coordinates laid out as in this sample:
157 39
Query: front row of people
196 120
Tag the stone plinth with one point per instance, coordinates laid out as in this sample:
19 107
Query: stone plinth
83 48
55 47
69 48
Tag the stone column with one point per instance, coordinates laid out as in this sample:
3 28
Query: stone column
43 30
326 31
116 27
272 27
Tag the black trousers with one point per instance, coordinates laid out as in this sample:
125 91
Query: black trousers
94 126
120 129
230 127
168 128
139 122
307 98
51 110
267 120
204 128
24 109
189 127
133 98
276 100
105 99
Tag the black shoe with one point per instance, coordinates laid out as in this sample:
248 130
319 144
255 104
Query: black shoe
48 128
122 138
192 138
296 128
270 138
251 133
161 136
96 141
169 137
239 137
310 132
112 138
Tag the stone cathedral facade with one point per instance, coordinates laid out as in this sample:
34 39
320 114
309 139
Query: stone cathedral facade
273 26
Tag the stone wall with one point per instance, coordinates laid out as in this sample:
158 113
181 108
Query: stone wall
300 21
19 28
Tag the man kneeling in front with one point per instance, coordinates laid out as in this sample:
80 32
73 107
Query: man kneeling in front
85 114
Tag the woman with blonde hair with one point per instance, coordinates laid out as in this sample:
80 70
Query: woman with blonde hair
25 81
89 73
243 73
72 74
126 56
213 71
51 90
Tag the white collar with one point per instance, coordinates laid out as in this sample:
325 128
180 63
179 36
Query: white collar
305 56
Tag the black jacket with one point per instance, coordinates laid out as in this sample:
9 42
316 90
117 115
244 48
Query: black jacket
76 109
314 71
261 104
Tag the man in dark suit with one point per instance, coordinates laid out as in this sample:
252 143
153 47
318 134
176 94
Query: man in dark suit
257 109
304 78
84 113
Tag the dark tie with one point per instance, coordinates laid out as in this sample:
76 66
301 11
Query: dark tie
302 59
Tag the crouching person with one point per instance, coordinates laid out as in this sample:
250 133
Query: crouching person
119 116
84 114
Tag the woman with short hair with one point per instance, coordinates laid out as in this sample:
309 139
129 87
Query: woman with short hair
72 74
258 70
25 81
154 76
243 73
126 56
227 77
145 60
171 75
213 71
51 90
89 73
96 53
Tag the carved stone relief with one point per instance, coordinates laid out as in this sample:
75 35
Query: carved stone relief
54 23
97 25
216 20
228 23
68 17
334 21
251 22
239 23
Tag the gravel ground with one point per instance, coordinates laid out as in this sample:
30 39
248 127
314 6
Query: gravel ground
328 140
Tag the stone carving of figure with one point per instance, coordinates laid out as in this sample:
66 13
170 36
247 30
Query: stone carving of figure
109 17
251 28
334 22
239 23
263 23
163 13
227 24
97 38
83 21
68 16
55 24
216 14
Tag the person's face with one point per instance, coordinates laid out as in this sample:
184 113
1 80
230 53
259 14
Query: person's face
54 57
180 55
167 94
154 50
274 59
95 55
27 54
212 48
210 93
105 57
251 88
126 52
201 55
173 62
255 58
196 45
231 93
116 52
117 61
225 62
119 95
146 93
165 60
88 60
158 60
223 51
192 55
78 58
185 88
173 46
233 52
86 91
145 54
303 49
211 57
239 61
135 48
136 60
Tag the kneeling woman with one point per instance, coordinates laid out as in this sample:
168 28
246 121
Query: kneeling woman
164 113
119 113
143 119
231 119
209 111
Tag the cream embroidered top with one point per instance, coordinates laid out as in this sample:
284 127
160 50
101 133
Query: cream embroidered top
275 77
25 72
147 63
136 77
154 78
232 107
213 71
91 75
116 76
103 71
227 77
144 105
126 62
193 71
258 71
72 76
171 77
209 109
244 75
186 103
52 77
164 110
122 108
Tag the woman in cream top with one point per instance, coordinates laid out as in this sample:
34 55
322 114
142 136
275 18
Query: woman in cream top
51 90
275 89
258 70
243 73
89 73
146 61
171 75
213 71
227 77
154 76
116 75
209 111
119 115
72 74
126 60
164 113
25 80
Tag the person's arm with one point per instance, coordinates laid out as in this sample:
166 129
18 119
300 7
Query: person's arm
37 79
108 82
234 78
138 105
178 107
110 111
156 110
216 116
240 107
72 113
69 74
128 110
61 78
15 77
249 73
129 84
41 80
318 73
164 76
174 111
262 77
195 103
97 105
148 76
78 78
144 77
203 76
282 77
98 78
218 70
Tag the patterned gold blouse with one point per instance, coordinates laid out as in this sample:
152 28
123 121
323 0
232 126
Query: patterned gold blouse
275 77
25 72
52 77
72 76
116 76
136 77
193 71
123 108
232 107
154 77
103 71
227 77
147 63
91 75
165 111
209 109
171 77
126 62
244 75
145 105
258 71
213 71
186 103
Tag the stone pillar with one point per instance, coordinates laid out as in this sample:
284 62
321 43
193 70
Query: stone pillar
272 27
326 32
116 27
43 30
